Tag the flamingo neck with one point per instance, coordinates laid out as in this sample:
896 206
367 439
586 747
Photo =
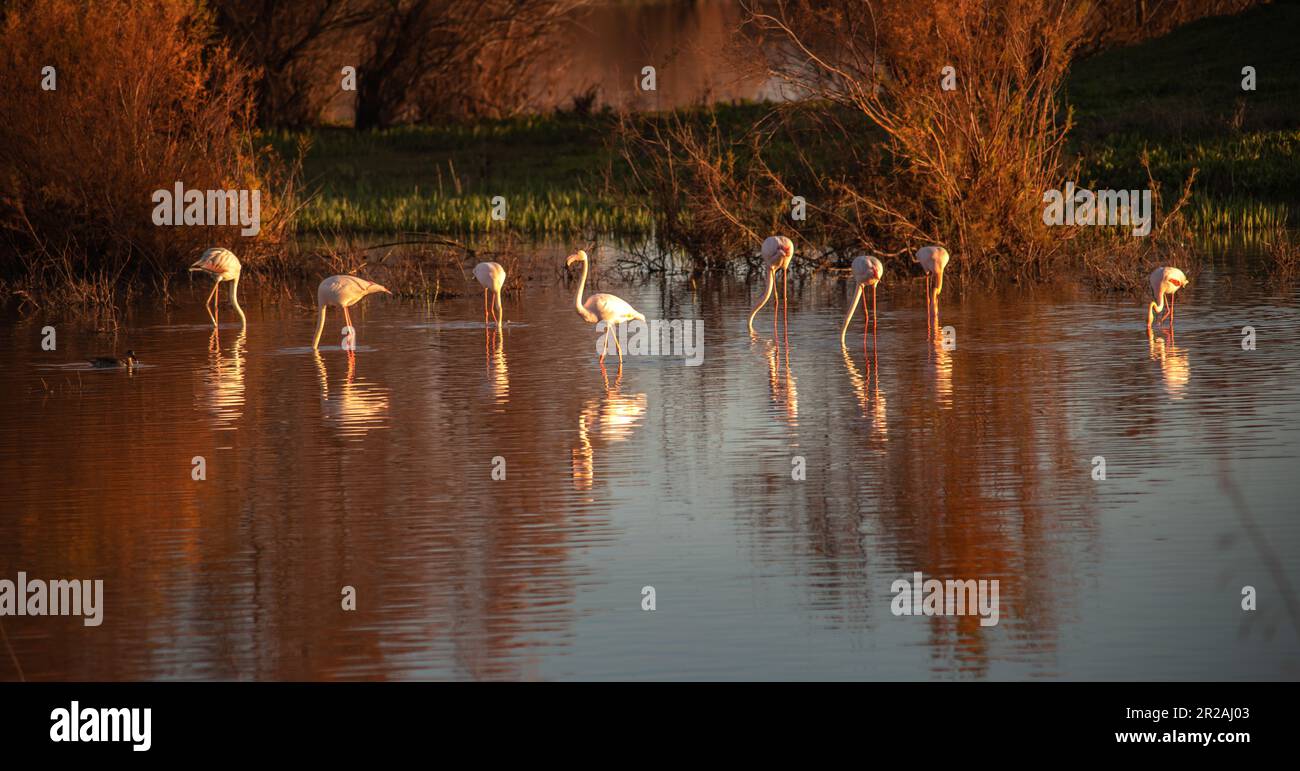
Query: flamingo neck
234 300
577 302
320 327
771 283
853 306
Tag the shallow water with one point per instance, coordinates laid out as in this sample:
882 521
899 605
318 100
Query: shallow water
376 472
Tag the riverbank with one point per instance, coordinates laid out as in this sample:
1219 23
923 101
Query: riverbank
1177 98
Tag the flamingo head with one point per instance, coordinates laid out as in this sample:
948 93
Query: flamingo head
380 288
578 256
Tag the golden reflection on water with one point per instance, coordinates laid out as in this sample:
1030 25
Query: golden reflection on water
224 381
871 399
497 373
611 418
782 386
374 470
1174 367
356 406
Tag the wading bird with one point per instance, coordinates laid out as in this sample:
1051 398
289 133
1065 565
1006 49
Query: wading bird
867 271
343 291
113 362
1164 281
602 307
221 265
777 253
492 276
934 259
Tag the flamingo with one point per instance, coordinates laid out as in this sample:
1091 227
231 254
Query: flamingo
113 362
934 259
867 271
1164 281
222 265
777 253
343 291
492 276
602 307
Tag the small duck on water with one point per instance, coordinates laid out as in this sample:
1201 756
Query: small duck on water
113 362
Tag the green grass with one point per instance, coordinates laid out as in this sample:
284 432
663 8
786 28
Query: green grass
1177 98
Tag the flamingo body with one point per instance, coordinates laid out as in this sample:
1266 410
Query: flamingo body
221 265
492 277
344 292
602 307
867 271
934 260
1164 281
777 253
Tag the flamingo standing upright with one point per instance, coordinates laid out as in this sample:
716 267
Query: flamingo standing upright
1164 281
777 253
933 259
602 307
221 265
492 276
343 291
867 271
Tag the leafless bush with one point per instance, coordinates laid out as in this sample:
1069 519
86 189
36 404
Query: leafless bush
883 153
141 101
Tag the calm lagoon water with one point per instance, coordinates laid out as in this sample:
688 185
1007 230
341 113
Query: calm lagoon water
375 472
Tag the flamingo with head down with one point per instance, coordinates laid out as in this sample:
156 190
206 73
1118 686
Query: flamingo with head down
1164 281
934 259
343 291
221 265
492 277
777 253
867 271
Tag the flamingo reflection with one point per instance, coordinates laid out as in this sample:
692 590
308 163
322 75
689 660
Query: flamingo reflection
1174 367
611 418
498 375
781 380
224 380
940 372
357 407
871 401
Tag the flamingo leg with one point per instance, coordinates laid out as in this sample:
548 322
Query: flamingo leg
776 302
618 346
207 305
866 322
347 318
928 298
605 350
873 307
485 306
